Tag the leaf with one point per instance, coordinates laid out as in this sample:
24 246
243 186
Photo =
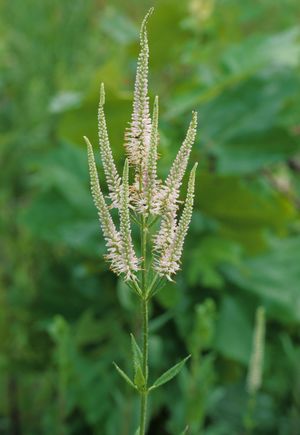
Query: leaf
137 431
234 329
185 431
274 277
203 264
124 376
251 152
136 354
242 62
139 379
169 374
118 26
253 208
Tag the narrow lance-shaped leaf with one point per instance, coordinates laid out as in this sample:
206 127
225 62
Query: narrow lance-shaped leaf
169 374
136 354
139 379
112 177
124 376
130 260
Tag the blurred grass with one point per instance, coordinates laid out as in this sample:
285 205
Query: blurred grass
63 317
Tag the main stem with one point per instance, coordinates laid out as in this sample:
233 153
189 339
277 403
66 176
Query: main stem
144 394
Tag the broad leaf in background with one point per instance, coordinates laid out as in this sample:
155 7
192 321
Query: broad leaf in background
234 329
251 212
62 211
204 261
274 277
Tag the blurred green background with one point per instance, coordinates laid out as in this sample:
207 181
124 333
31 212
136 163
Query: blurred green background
63 316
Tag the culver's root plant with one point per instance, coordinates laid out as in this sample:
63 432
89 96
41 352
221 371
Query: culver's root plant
143 199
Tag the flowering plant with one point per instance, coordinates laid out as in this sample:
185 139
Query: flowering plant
144 202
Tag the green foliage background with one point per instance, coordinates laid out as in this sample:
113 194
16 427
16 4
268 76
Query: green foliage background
63 317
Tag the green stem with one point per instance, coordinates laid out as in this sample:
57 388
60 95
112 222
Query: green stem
249 421
144 231
144 393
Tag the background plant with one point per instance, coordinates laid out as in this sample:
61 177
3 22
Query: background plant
237 64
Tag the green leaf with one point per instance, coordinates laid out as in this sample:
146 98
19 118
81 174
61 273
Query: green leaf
124 376
252 151
274 277
234 329
169 374
185 431
137 431
253 208
139 379
136 354
118 26
242 62
203 264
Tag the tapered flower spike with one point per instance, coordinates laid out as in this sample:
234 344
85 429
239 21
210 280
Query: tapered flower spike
112 177
152 183
169 261
130 260
111 235
178 168
254 378
170 191
137 137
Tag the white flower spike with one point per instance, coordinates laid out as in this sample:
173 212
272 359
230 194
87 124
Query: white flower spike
111 235
169 193
168 263
120 255
137 137
112 177
130 260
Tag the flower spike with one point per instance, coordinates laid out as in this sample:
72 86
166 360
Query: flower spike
137 137
112 177
178 168
153 188
170 191
129 258
169 261
111 235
